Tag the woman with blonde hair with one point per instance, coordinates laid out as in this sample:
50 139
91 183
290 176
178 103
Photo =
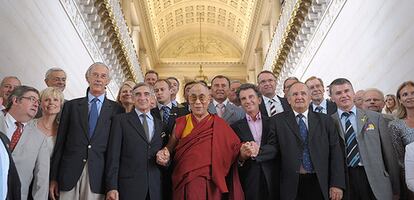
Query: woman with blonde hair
391 104
125 96
402 128
51 103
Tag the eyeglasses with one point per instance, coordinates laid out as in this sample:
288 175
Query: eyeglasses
193 98
32 99
267 81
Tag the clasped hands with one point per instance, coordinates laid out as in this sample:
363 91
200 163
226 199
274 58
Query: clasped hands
163 156
249 150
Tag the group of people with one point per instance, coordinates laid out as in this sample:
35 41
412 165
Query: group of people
228 140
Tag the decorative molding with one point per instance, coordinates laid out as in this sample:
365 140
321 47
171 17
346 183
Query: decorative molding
309 34
102 29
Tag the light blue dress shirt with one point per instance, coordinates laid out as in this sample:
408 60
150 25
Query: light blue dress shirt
150 121
98 103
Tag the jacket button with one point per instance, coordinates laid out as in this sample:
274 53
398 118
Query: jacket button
84 160
89 146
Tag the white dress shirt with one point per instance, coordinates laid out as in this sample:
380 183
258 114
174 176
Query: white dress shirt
409 166
150 121
4 170
11 125
278 104
324 105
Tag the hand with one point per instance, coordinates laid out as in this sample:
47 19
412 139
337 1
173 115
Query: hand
53 190
335 193
255 149
163 156
112 195
245 152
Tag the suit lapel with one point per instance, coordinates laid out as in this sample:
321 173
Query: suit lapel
341 129
360 123
313 123
211 108
157 130
83 115
228 112
293 125
265 122
246 134
133 119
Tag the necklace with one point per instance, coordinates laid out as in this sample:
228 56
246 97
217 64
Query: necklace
44 125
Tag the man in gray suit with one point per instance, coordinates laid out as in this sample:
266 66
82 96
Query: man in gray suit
220 89
27 144
371 167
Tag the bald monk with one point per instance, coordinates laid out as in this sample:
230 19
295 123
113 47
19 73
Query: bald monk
205 150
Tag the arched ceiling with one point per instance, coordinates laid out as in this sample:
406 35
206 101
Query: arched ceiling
172 17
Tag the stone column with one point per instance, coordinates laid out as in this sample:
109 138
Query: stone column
135 38
265 38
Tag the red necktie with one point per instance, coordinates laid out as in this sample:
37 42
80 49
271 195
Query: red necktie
16 135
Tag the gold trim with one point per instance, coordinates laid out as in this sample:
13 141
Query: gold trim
295 22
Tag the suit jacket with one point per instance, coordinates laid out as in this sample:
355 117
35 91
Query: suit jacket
32 160
376 150
324 148
260 172
330 107
176 111
74 147
285 106
13 181
231 113
131 163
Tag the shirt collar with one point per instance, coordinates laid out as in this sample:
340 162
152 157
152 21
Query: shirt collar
353 109
169 105
275 98
323 105
224 102
305 114
100 98
11 122
258 117
148 114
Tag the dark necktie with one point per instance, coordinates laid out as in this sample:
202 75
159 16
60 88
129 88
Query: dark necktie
352 151
93 116
272 107
319 109
165 114
145 125
16 135
306 160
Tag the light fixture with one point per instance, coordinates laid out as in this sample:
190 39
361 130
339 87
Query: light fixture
200 50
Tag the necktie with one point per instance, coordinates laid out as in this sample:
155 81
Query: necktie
306 160
220 109
93 116
165 114
319 109
272 107
145 125
352 151
16 135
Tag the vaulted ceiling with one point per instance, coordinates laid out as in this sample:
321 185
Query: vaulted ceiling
182 34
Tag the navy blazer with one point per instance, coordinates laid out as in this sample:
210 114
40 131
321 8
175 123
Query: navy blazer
285 106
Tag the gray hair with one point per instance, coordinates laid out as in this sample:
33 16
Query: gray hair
53 69
88 72
9 77
142 84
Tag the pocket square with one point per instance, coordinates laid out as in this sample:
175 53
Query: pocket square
370 127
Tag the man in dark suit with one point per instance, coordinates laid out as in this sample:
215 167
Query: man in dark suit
319 102
134 140
312 165
11 190
371 166
220 105
257 174
271 103
78 162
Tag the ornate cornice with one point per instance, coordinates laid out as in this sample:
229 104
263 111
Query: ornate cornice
303 35
102 29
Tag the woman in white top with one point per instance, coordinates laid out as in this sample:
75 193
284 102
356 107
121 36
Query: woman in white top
409 166
51 103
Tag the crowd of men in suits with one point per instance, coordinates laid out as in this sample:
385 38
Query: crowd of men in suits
301 146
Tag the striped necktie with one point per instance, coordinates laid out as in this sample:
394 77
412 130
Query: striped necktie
319 109
272 107
352 151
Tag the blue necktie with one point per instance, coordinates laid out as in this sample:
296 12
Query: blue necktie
166 114
319 109
93 116
306 160
352 151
